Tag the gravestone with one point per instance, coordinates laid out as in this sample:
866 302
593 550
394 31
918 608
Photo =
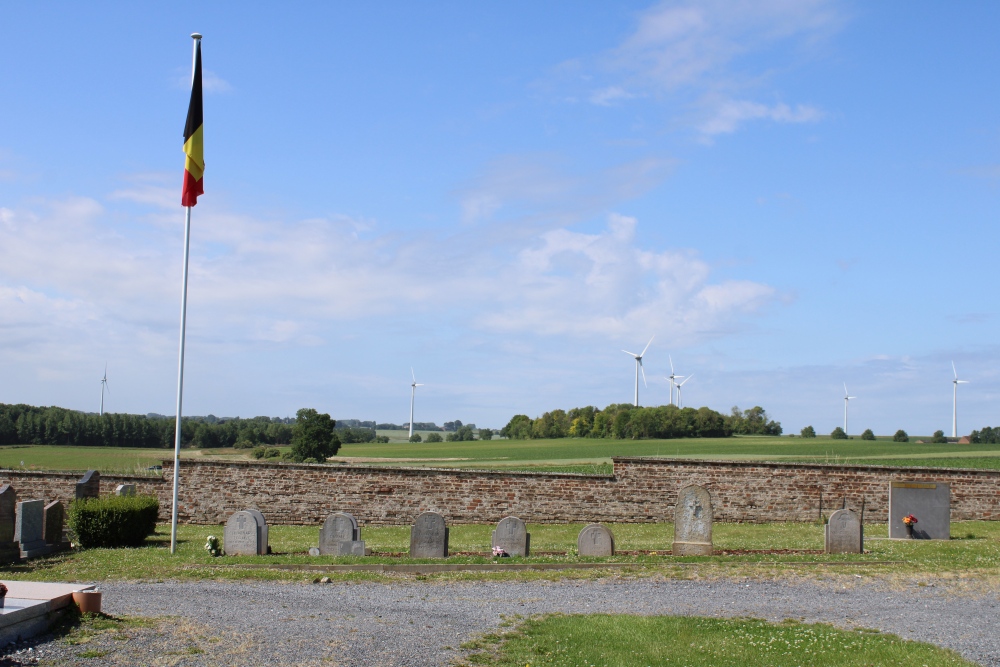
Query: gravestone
53 517
693 522
512 536
262 529
242 536
89 485
9 549
429 537
929 502
28 528
843 533
125 490
341 536
595 540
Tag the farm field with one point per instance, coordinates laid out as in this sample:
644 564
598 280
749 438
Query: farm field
584 455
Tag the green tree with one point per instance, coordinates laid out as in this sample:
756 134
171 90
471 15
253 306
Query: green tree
434 437
485 434
838 434
518 428
900 436
416 437
313 436
939 437
808 432
868 435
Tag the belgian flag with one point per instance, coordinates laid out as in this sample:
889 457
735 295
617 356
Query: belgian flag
194 139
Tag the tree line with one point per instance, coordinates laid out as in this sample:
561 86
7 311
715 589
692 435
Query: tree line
625 421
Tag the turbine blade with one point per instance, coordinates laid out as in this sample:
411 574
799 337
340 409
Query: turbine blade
671 364
953 370
413 374
647 346
685 379
632 353
845 389
643 374
962 381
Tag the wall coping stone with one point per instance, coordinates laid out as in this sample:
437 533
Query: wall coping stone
801 464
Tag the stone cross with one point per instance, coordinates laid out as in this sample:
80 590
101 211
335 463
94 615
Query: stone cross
244 536
52 523
341 536
9 549
693 522
595 540
929 502
843 534
28 528
512 536
89 485
429 537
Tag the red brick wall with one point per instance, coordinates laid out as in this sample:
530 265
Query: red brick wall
641 490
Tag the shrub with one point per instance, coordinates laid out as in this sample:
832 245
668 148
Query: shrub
258 452
381 439
838 434
939 437
434 437
868 435
272 453
808 432
485 434
243 444
113 521
900 436
415 438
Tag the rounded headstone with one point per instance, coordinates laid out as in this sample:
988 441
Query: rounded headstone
429 536
693 522
512 536
595 540
242 537
340 536
843 533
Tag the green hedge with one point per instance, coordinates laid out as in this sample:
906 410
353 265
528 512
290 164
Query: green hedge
113 521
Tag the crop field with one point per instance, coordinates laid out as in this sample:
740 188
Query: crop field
584 455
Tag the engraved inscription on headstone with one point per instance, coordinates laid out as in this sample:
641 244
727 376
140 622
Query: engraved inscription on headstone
429 536
28 528
341 536
595 540
89 485
265 545
125 490
843 533
929 502
693 522
52 523
242 536
512 536
9 549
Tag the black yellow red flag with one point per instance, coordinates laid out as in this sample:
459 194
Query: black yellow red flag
194 142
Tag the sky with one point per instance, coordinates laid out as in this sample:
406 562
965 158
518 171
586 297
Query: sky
787 195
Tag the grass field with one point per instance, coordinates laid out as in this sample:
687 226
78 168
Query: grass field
563 455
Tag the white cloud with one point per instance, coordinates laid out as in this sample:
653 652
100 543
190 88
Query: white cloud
730 114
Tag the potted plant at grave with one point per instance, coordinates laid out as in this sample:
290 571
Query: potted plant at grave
3 594
909 520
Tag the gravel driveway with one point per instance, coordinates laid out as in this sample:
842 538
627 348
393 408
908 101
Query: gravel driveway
418 624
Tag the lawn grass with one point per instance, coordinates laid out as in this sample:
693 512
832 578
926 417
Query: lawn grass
974 552
606 640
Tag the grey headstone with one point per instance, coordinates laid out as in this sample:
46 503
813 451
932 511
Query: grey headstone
929 502
54 516
125 490
89 485
595 540
242 536
693 522
429 536
265 544
512 536
843 533
341 536
28 528
9 549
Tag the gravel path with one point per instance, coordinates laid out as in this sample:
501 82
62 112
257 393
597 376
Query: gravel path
420 624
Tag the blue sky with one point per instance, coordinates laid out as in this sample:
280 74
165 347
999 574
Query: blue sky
788 195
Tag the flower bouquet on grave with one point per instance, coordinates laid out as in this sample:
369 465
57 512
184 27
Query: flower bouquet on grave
500 552
212 546
3 594
909 521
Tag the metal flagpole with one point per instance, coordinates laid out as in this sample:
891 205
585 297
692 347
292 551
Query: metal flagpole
180 360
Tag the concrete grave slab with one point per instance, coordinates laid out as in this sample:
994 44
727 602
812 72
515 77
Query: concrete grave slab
693 522
929 502
512 536
595 540
31 608
429 536
843 533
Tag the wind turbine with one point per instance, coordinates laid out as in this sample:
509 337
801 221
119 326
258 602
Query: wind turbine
954 401
104 385
672 377
413 393
846 399
679 403
638 369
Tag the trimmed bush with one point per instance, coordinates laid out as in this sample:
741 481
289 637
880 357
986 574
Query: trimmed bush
900 436
838 434
113 521
808 432
868 435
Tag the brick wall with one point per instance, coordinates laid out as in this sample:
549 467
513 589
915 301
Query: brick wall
640 490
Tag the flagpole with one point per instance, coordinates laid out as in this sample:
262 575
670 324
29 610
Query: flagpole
180 360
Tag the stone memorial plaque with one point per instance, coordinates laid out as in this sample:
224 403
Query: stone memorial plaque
9 550
30 515
512 536
929 502
843 533
242 535
595 540
341 536
693 522
89 485
125 490
429 536
53 518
